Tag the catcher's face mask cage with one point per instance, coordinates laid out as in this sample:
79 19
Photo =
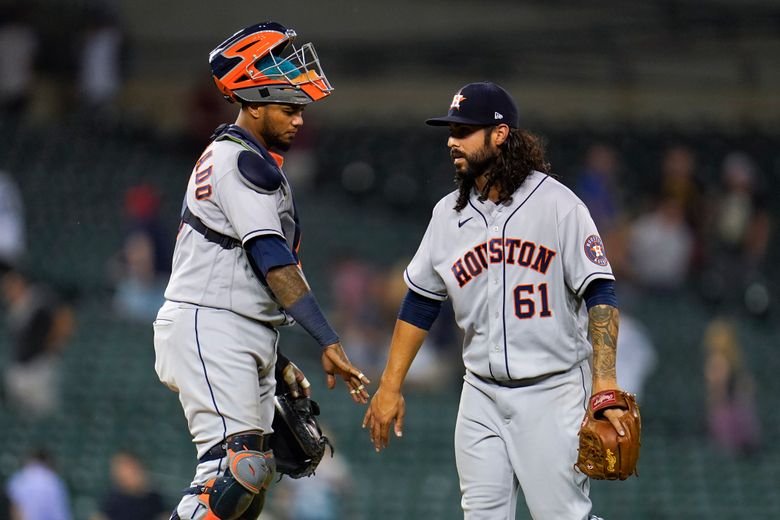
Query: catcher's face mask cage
261 64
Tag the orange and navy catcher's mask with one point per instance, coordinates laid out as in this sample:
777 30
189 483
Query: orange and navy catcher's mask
260 64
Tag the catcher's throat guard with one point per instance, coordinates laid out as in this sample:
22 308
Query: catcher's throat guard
297 441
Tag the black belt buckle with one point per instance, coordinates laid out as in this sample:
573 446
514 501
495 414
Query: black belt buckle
518 383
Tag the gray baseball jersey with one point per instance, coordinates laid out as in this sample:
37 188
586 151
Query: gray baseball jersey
215 338
206 274
515 274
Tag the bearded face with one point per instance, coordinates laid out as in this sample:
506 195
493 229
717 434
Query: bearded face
279 125
471 154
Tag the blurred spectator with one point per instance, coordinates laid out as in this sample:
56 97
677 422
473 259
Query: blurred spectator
142 213
37 492
738 235
300 163
660 247
599 188
323 496
636 355
731 411
12 238
100 61
351 281
365 305
354 290
679 182
39 325
139 290
131 496
142 267
438 362
18 49
206 110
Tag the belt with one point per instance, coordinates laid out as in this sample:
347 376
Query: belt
222 240
518 383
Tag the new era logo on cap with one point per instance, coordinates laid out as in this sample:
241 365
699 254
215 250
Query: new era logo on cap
487 104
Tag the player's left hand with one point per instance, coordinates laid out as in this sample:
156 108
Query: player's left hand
614 414
610 436
296 381
335 361
386 407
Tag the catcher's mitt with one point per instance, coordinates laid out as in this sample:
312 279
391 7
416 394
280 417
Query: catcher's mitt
297 440
603 454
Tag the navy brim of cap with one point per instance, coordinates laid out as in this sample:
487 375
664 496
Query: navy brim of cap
446 120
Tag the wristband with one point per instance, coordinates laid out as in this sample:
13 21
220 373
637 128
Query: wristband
307 312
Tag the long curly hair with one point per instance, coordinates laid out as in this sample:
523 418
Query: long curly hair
518 156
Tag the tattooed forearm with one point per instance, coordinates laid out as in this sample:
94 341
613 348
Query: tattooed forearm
603 329
287 284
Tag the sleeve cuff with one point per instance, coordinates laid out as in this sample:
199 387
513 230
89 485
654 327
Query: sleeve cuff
421 290
259 233
593 276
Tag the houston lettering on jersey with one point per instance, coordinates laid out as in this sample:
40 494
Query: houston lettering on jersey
512 251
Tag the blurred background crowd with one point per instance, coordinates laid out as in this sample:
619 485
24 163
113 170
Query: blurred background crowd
662 117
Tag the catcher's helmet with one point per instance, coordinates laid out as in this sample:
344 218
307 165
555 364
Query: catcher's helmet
250 66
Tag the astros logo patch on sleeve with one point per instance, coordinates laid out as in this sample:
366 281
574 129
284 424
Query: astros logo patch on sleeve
594 250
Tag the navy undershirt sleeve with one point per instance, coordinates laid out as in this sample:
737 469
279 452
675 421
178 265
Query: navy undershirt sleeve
306 311
600 292
419 311
269 251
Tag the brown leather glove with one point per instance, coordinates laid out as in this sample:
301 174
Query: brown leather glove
603 453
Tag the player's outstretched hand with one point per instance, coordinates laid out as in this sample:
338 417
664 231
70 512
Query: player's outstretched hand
335 362
386 406
296 381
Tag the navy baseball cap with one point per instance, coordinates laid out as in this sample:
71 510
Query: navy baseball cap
483 103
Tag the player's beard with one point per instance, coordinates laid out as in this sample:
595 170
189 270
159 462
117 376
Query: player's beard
476 165
278 141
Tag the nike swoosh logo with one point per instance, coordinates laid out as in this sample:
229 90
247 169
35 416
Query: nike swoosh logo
462 222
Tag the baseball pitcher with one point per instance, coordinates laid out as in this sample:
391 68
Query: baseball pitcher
527 273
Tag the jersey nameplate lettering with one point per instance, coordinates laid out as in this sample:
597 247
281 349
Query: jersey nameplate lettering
513 251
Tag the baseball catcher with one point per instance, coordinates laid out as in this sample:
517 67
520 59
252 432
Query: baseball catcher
236 277
604 454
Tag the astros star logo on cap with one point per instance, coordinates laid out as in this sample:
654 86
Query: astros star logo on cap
456 99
